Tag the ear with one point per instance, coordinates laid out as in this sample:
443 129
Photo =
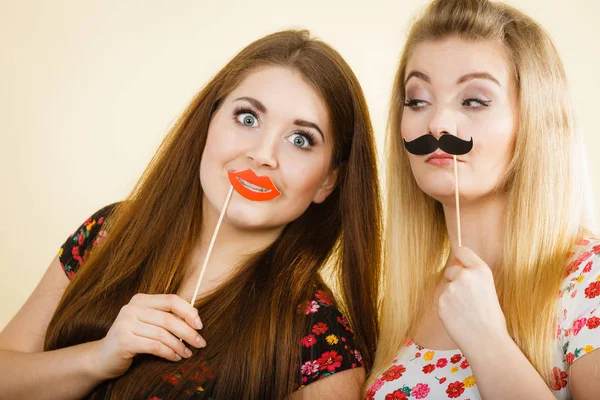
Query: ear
327 186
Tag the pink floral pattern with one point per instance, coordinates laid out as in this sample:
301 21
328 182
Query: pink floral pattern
422 373
328 346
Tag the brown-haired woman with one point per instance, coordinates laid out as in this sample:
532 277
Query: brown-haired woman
289 108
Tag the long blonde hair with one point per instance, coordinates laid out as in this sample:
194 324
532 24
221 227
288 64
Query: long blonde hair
546 210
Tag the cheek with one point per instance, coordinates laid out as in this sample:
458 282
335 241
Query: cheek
491 155
218 142
218 151
210 157
496 143
505 141
302 179
303 172
411 126
223 144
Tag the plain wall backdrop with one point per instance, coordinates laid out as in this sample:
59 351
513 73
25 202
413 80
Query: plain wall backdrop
88 89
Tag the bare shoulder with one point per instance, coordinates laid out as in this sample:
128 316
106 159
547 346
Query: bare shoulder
584 377
339 386
26 331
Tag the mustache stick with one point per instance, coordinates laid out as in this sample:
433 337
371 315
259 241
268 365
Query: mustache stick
212 243
456 200
450 144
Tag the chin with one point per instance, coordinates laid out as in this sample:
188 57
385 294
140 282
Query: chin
249 218
440 188
442 197
468 196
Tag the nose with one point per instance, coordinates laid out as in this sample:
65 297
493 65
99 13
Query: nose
442 122
263 151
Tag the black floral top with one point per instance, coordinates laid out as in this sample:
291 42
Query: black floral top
326 348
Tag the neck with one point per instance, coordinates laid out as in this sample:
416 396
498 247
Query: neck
482 227
232 246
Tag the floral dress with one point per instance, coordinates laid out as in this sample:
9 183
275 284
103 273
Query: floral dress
327 347
420 373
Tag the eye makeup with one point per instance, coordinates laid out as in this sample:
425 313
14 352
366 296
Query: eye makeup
309 136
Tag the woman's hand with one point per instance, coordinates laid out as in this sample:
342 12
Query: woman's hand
150 324
469 306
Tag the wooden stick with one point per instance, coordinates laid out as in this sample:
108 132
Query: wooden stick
212 243
457 202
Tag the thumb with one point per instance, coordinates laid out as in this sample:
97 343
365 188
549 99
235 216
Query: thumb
468 258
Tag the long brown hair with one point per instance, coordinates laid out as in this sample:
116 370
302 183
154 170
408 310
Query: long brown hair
152 233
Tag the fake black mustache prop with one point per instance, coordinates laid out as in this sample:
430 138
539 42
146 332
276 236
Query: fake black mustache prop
427 144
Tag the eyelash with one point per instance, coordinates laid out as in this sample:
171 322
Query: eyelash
243 110
484 103
413 103
309 136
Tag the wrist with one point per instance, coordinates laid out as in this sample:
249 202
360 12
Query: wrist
489 345
90 361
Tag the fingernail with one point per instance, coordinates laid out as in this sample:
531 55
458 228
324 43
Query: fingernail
198 323
188 352
177 357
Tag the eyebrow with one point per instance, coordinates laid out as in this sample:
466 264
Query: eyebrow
307 124
260 106
462 79
300 122
477 75
417 74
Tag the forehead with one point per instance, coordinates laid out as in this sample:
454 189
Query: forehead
284 92
452 57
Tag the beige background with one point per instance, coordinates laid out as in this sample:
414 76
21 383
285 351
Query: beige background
89 88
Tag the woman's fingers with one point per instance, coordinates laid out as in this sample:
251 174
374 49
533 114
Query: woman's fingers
171 303
173 325
468 258
144 345
163 336
451 272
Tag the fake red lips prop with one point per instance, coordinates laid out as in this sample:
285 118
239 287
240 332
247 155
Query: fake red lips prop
253 187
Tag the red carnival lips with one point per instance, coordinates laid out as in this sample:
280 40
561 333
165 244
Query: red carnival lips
253 187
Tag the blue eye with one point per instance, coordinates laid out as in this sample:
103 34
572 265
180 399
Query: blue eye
247 119
300 140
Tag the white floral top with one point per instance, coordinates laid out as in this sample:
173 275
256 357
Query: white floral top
420 373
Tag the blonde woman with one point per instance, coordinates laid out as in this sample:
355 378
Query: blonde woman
515 312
